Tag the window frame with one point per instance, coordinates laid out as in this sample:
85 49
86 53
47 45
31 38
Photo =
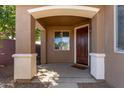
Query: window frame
116 49
62 36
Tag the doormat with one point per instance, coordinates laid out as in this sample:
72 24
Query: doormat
93 85
79 67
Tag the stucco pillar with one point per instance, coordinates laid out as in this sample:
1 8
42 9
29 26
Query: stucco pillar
25 57
43 47
97 45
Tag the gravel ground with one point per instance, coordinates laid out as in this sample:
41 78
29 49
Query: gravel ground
6 76
6 80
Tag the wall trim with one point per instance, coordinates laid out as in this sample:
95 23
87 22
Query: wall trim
75 32
97 66
24 55
24 66
48 11
97 54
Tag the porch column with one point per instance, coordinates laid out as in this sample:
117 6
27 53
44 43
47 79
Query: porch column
43 47
25 57
97 45
43 42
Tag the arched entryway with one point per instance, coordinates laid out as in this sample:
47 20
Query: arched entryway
46 13
25 51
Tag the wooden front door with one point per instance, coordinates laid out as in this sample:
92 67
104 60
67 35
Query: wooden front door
82 46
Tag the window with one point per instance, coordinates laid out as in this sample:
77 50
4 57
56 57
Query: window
62 41
120 28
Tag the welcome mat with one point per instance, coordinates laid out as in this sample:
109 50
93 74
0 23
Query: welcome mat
93 85
79 66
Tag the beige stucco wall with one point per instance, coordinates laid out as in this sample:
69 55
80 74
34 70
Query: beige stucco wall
51 55
114 62
97 33
59 56
103 42
25 24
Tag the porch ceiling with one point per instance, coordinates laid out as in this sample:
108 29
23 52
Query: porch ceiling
62 20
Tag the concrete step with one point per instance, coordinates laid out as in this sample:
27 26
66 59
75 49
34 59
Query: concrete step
65 85
75 80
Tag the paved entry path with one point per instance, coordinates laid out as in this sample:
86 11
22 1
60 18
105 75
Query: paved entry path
63 75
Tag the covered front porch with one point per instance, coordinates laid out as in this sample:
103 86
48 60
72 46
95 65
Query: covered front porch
52 19
64 75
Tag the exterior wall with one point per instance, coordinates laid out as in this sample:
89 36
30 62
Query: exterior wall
48 54
94 35
114 62
54 56
103 42
97 33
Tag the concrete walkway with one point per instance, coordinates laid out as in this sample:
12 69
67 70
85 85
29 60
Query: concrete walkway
63 75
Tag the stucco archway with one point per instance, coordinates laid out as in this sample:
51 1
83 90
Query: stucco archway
48 11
